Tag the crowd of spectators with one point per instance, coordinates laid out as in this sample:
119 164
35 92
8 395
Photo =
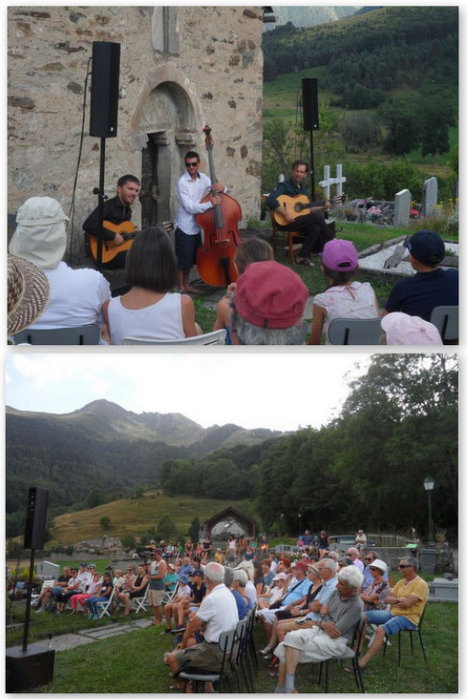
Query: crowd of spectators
308 606
265 306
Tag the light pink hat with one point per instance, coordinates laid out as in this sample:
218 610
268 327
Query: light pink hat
403 329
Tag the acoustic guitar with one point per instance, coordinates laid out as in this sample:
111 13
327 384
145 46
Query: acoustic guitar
110 250
128 232
300 205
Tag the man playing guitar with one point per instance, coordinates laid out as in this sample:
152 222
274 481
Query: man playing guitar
117 211
310 225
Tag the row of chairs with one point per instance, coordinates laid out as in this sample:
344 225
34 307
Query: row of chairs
239 660
368 331
90 335
342 331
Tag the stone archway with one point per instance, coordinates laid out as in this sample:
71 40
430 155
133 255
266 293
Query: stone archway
167 121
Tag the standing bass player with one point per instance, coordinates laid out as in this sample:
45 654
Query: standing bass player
310 225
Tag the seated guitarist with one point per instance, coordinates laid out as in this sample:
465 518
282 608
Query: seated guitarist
116 211
310 225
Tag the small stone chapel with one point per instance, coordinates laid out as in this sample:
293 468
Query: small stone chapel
180 68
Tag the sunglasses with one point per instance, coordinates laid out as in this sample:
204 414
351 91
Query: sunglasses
194 164
373 568
403 566
369 559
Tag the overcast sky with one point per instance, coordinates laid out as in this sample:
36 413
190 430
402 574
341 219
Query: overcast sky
250 389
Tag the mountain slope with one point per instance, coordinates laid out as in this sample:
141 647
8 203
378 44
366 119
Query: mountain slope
102 448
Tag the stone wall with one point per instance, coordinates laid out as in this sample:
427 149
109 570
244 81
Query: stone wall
180 68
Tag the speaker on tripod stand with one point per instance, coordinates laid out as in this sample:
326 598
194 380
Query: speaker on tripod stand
31 666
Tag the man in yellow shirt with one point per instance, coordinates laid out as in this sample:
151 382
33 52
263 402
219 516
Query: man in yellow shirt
407 600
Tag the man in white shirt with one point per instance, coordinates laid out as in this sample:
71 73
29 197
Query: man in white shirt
191 188
217 613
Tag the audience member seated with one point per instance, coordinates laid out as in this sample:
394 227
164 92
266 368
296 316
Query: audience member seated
329 637
407 601
323 544
190 604
402 329
84 577
76 295
249 569
171 608
134 589
374 597
268 306
239 583
50 593
352 553
93 589
250 250
28 294
277 590
296 594
298 613
431 286
344 297
217 613
71 588
171 578
102 596
368 578
219 556
360 539
150 308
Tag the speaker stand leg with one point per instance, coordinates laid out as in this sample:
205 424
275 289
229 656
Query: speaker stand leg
28 602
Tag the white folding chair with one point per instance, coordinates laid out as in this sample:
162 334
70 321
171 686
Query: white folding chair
216 337
79 335
140 604
103 606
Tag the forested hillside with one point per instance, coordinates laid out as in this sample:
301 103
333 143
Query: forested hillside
365 469
388 48
100 453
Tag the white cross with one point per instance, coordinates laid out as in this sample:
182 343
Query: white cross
328 180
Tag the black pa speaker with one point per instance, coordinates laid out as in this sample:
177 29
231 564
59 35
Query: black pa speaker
310 104
33 667
36 517
104 88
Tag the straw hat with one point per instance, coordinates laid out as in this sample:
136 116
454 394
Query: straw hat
28 293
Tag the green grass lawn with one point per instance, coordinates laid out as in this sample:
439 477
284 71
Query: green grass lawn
132 662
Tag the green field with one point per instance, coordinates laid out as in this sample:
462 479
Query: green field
134 516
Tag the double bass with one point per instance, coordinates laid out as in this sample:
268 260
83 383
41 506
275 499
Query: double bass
221 237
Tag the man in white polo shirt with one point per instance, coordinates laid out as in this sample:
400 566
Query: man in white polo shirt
217 613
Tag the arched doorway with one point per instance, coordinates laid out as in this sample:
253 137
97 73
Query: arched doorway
168 119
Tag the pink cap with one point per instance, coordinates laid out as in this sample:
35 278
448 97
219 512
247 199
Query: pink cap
340 255
402 329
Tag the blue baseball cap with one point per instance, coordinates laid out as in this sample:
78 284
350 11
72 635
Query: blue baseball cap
426 246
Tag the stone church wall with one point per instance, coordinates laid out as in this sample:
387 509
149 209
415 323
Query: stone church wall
180 68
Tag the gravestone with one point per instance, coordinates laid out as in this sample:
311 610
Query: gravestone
328 180
429 196
402 208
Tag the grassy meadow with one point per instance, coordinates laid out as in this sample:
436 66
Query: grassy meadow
134 516
132 662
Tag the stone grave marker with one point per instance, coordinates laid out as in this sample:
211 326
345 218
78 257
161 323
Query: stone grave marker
429 196
402 208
